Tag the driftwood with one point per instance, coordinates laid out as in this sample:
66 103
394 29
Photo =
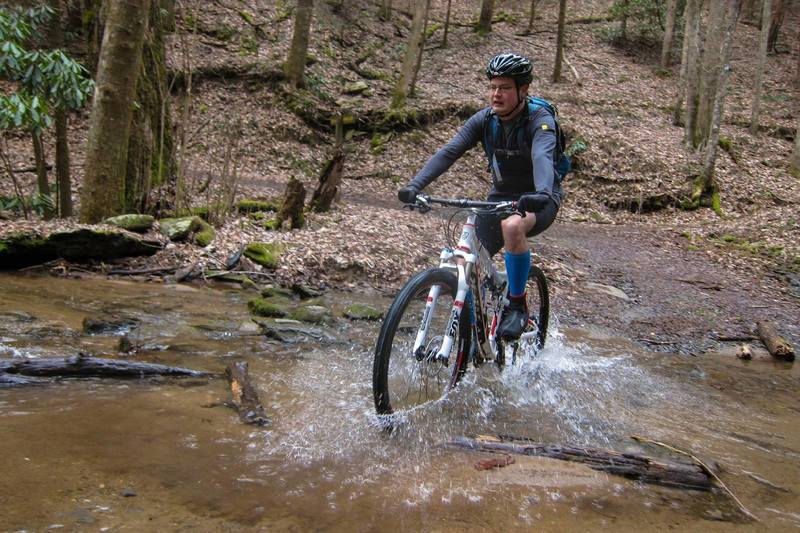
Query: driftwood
85 366
631 465
778 347
245 398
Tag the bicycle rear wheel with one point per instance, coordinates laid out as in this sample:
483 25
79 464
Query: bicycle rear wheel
402 379
535 333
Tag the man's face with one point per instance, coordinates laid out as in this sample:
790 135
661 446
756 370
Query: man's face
503 95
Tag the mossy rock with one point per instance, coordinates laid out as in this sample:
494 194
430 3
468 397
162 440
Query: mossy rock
314 314
266 308
264 253
179 229
132 222
205 234
23 249
251 206
273 224
356 87
362 312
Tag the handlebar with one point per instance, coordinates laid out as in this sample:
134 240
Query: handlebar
423 204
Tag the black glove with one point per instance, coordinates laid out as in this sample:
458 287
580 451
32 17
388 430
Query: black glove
533 203
408 194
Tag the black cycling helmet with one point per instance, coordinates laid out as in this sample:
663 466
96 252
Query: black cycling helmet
512 66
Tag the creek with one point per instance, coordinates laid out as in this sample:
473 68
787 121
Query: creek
161 454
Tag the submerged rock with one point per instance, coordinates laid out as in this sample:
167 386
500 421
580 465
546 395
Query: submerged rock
98 325
315 314
289 331
83 244
267 307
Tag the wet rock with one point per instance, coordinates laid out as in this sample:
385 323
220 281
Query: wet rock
266 308
98 325
132 222
50 329
272 291
17 316
314 314
362 312
23 249
289 330
128 493
714 514
265 254
179 229
305 291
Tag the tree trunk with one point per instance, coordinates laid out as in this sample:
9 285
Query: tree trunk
794 159
669 27
407 74
63 178
778 13
331 176
762 63
692 82
93 15
710 65
293 205
151 151
85 366
421 48
446 24
42 182
623 22
746 12
485 20
386 10
630 464
296 62
678 107
709 185
109 124
531 17
562 17
777 346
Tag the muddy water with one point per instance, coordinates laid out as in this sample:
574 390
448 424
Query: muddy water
151 455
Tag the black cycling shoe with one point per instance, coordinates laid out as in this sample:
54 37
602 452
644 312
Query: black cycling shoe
515 318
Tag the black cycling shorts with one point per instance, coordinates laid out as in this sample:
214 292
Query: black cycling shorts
490 233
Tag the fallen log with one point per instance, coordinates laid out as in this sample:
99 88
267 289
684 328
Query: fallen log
778 347
86 366
631 465
244 396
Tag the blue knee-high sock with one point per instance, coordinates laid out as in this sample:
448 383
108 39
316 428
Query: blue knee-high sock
518 266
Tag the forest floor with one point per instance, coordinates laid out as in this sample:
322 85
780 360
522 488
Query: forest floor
685 278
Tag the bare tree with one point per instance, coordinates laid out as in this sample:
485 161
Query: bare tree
410 60
706 184
692 71
562 17
531 17
762 63
775 22
669 28
296 62
710 63
446 24
794 159
485 20
109 124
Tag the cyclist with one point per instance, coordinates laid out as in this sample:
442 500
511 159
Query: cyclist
522 169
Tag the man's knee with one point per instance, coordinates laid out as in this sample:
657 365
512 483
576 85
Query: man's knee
515 230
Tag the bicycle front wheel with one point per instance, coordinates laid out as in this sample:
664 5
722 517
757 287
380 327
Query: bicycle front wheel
403 379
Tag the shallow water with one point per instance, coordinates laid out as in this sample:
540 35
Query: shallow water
157 455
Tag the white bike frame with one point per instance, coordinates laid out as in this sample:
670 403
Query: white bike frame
462 260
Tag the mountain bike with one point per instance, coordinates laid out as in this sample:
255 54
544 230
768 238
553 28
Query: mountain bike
446 317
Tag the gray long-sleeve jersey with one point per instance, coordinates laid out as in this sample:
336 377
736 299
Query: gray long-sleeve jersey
516 168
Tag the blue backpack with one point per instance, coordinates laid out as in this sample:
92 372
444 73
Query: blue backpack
492 129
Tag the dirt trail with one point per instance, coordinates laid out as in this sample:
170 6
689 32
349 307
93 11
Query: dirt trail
673 297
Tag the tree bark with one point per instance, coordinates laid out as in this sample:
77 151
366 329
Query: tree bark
710 65
296 62
629 464
762 63
244 395
775 22
794 159
692 82
678 107
293 205
531 17
446 24
151 150
109 124
63 177
669 27
331 176
421 48
562 17
42 181
407 74
709 184
485 20
777 345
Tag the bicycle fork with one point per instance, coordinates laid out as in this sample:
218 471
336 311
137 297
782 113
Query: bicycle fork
443 353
